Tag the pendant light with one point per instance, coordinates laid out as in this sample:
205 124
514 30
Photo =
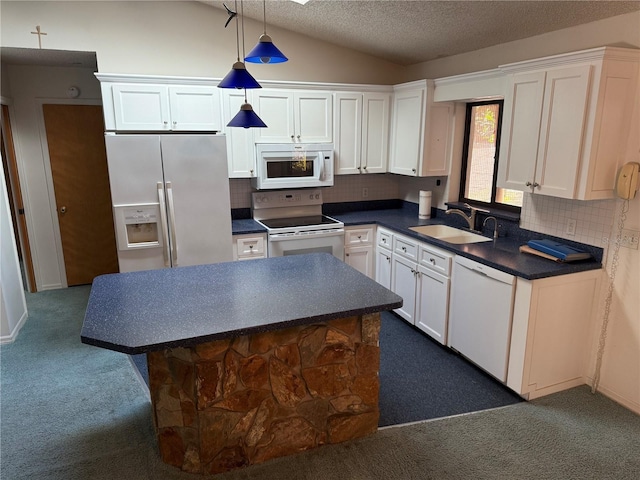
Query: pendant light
238 77
265 51
246 117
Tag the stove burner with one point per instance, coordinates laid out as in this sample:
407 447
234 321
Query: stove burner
293 222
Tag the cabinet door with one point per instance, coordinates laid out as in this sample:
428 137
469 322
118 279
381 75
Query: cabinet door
407 129
275 108
348 133
360 258
240 147
375 132
520 131
566 94
432 304
313 117
383 267
141 107
195 108
437 158
403 283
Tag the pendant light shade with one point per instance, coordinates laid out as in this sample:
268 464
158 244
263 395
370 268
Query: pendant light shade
265 52
246 118
239 77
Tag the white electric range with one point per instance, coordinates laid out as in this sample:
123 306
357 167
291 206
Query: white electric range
295 223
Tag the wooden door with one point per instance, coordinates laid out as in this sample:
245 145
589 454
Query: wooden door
75 135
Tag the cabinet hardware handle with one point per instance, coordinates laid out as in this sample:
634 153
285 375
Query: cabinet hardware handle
404 249
293 137
365 167
63 210
298 137
359 237
165 122
250 247
528 184
432 260
535 184
346 254
413 170
359 168
251 172
175 123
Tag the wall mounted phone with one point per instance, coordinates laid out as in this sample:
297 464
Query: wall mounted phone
627 181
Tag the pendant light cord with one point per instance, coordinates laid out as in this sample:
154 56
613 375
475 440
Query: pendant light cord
608 299
237 33
242 15
264 15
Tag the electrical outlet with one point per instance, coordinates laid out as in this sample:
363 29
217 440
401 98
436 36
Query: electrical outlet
571 227
365 192
630 239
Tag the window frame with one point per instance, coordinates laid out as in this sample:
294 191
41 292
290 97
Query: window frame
465 157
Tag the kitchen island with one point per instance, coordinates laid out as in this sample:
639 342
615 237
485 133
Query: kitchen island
248 361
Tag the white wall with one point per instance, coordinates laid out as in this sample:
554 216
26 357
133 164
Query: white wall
29 87
13 307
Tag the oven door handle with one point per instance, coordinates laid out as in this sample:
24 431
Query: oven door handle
277 237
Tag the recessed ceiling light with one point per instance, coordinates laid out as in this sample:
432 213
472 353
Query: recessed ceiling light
301 2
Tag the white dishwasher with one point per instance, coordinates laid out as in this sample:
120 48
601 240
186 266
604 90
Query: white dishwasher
480 315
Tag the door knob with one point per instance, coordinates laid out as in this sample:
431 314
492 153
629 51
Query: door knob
63 210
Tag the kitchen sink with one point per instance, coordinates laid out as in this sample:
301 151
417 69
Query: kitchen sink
450 234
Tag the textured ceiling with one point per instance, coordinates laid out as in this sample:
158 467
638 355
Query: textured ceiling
402 32
408 32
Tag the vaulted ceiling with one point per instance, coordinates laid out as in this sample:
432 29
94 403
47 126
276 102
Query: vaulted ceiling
408 32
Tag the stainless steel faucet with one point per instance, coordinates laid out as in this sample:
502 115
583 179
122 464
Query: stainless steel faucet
495 225
471 218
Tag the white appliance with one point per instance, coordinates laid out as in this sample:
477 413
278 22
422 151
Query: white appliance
170 196
295 223
481 313
293 166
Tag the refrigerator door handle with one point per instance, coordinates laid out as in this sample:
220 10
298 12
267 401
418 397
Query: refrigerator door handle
163 221
172 225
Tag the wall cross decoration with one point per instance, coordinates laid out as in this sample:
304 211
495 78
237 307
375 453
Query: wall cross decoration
39 33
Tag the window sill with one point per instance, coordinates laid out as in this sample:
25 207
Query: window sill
494 212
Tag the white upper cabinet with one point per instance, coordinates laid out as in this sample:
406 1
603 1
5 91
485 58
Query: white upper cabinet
195 107
361 132
150 107
240 147
421 131
566 122
294 116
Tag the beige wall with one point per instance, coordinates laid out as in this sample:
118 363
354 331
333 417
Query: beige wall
178 38
620 31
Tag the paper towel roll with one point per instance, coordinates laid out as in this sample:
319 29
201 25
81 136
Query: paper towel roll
424 207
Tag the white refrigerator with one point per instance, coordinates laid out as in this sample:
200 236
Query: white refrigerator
170 196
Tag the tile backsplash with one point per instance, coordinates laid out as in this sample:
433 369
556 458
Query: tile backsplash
540 213
550 215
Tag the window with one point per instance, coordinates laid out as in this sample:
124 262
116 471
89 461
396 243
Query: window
480 159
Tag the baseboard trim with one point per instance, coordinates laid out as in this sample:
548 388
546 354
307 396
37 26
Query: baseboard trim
14 334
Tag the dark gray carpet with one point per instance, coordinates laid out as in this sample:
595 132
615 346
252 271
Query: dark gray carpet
420 379
74 412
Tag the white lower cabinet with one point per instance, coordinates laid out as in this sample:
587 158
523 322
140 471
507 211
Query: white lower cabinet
419 273
404 283
432 305
249 246
551 333
358 248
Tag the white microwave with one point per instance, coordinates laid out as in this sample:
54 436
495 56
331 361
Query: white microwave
293 166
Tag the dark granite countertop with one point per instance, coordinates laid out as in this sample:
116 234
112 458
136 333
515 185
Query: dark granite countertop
150 310
246 225
502 253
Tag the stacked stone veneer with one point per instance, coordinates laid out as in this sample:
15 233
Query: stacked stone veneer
231 403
